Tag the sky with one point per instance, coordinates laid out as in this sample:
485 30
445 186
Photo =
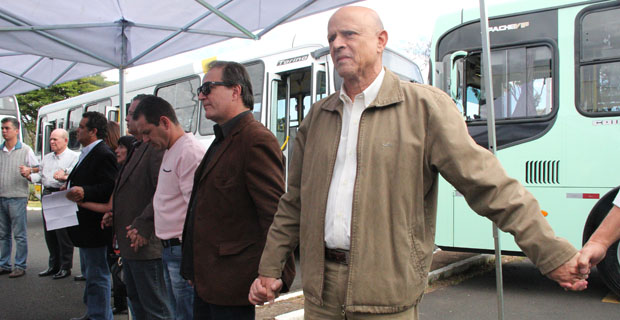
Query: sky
406 21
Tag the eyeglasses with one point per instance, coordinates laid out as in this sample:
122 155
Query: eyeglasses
205 88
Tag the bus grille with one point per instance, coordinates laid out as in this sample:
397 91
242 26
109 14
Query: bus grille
542 172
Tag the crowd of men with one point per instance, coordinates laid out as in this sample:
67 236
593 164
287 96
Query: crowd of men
207 233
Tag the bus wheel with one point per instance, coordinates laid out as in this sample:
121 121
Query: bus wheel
609 268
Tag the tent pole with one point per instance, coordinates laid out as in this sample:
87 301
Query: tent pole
121 81
488 82
121 101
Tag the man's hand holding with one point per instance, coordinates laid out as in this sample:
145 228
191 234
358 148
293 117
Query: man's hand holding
137 241
76 194
107 219
60 175
590 255
24 171
568 275
264 289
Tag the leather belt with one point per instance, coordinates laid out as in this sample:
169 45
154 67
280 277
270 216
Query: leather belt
337 255
49 190
171 242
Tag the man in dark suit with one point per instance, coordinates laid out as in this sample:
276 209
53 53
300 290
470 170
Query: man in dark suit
92 180
235 195
143 272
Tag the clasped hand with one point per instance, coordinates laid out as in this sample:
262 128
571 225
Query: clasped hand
264 289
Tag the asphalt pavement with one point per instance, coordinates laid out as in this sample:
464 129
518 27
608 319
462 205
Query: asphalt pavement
527 295
40 298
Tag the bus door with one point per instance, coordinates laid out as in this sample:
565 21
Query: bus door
291 98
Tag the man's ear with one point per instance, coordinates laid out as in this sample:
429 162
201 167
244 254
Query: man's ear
165 122
237 91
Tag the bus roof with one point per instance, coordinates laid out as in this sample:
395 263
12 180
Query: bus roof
463 16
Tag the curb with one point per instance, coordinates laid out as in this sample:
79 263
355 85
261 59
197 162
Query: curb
441 273
458 267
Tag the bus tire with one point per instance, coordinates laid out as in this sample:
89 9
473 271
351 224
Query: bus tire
609 268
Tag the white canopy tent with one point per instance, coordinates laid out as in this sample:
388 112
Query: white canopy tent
46 42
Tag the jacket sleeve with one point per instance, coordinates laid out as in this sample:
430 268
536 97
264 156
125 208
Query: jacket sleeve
283 236
145 222
488 190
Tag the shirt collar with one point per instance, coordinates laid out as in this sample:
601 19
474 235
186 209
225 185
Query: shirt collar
18 145
224 130
369 94
89 147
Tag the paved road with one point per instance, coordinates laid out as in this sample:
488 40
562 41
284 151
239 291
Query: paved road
33 298
527 295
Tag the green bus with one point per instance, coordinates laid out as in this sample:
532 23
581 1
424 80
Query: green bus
556 83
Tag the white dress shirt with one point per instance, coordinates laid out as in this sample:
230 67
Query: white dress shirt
340 198
51 163
85 151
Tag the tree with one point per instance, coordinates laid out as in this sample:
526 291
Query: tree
419 51
30 102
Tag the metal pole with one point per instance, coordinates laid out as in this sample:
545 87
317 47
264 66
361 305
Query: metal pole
488 83
121 81
121 100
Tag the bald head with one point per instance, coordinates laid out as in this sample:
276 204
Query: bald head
368 16
356 42
58 140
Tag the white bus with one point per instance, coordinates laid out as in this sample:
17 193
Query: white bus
285 85
9 108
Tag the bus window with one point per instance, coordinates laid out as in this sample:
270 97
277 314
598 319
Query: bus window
206 125
522 84
73 121
114 115
321 87
99 106
256 70
182 96
599 69
278 110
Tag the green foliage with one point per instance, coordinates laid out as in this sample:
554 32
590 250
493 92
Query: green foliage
30 102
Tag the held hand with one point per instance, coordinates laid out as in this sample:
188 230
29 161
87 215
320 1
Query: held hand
568 275
24 171
107 220
137 241
590 255
76 194
264 289
60 175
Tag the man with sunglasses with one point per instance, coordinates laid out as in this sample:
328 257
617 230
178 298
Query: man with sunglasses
235 195
157 122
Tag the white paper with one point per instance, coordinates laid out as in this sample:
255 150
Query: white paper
58 211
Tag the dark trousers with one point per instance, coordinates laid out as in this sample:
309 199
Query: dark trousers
59 246
207 311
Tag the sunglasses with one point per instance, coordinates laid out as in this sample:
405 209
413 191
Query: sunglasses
205 88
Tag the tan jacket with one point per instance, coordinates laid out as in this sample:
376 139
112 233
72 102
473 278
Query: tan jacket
408 135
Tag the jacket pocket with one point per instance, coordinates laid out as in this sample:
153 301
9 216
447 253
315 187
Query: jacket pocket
230 248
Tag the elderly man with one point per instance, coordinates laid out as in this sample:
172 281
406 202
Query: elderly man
236 191
362 193
53 168
13 198
158 124
92 180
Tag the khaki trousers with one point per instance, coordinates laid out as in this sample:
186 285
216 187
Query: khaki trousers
334 296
